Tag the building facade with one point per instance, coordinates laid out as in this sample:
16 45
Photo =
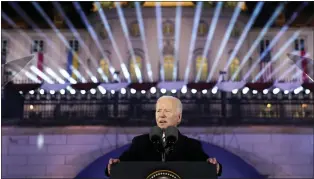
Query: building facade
161 57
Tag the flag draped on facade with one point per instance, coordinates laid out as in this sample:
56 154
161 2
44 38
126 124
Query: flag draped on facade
40 62
73 63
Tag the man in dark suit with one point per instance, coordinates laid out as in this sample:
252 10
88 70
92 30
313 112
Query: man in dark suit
168 113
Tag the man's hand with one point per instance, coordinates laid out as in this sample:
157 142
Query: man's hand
214 161
112 161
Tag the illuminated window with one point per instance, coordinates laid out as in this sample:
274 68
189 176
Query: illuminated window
104 67
203 68
168 28
138 62
234 66
135 29
168 67
202 29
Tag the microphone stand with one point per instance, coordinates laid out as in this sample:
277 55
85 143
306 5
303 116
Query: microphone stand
161 149
168 148
163 156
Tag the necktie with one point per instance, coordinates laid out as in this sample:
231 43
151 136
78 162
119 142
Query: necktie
164 139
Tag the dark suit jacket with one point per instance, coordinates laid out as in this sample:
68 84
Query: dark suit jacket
185 149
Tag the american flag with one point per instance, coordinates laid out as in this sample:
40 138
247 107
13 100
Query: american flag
267 59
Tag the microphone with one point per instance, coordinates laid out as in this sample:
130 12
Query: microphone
171 135
155 135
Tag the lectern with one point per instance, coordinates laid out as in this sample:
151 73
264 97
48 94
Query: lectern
163 170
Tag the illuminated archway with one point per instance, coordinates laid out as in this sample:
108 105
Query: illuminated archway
104 65
169 67
134 29
133 63
203 68
234 66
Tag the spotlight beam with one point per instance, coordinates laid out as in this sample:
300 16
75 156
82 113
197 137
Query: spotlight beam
225 40
18 9
278 69
127 37
160 40
274 41
13 24
93 34
142 33
292 67
289 70
32 77
54 75
27 38
22 13
279 53
209 38
67 76
114 43
23 49
16 43
193 39
258 39
13 40
61 37
297 74
19 74
177 40
248 26
77 36
41 74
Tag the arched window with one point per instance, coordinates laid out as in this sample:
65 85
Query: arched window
133 62
104 65
168 28
201 66
169 67
134 29
202 29
234 66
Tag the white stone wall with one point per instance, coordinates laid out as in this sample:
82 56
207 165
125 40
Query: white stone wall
277 152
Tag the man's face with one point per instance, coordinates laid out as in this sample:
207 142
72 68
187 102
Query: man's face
167 113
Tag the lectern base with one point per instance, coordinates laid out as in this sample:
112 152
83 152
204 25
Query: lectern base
164 170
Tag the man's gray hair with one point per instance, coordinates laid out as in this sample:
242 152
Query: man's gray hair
178 102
